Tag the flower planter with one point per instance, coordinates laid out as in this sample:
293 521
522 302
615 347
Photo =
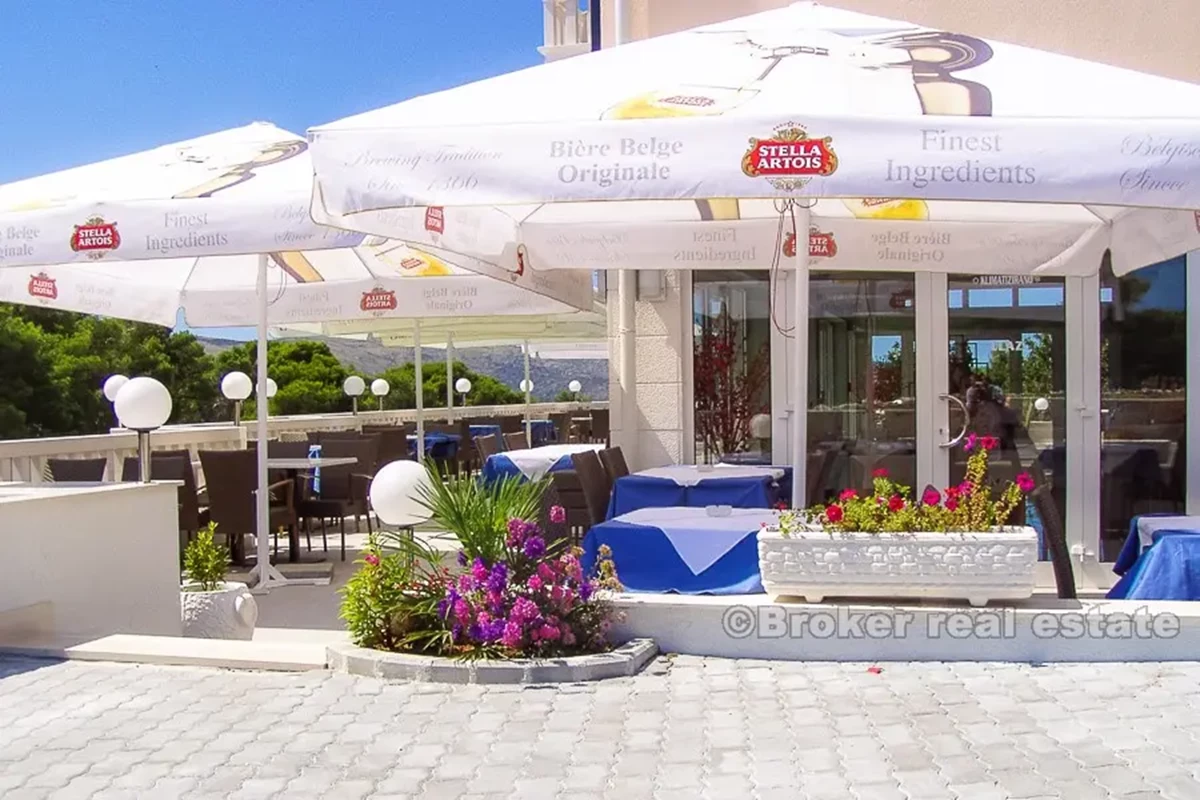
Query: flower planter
228 613
976 567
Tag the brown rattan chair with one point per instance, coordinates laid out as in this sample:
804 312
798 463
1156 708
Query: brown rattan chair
344 489
174 465
77 470
515 441
487 446
565 490
563 428
511 423
1056 541
614 464
231 478
600 426
595 484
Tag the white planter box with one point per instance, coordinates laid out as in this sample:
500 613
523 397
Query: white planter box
977 567
228 613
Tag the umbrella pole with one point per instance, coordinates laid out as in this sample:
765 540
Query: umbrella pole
267 574
420 381
528 399
626 311
800 358
449 377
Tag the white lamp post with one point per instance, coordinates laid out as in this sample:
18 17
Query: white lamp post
463 386
380 388
272 388
575 387
527 388
236 386
354 386
143 405
526 385
113 385
396 492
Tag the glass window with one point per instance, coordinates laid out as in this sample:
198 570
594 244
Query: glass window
1143 397
732 366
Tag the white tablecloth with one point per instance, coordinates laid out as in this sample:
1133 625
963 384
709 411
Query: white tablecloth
1148 525
701 540
535 462
691 474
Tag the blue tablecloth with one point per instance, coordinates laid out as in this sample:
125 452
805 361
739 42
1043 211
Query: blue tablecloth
646 560
543 431
437 445
1168 570
634 492
485 430
1132 549
500 466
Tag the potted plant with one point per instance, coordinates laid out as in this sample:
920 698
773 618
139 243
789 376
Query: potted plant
213 608
954 544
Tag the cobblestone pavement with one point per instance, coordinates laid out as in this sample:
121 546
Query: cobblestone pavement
688 728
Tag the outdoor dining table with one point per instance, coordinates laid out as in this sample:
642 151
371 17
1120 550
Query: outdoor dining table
1160 560
543 431
534 463
437 445
485 430
294 467
695 486
683 550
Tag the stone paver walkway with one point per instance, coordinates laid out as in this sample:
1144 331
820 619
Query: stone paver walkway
690 728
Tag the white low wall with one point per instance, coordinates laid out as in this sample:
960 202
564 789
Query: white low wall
88 559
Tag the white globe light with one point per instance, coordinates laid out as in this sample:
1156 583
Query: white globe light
236 386
1041 404
526 385
575 386
143 404
113 385
396 491
354 386
462 385
272 387
380 387
760 426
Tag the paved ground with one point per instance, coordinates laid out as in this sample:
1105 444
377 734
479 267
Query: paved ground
691 728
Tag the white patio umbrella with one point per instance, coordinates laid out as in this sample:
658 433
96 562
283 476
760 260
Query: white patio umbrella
224 221
925 142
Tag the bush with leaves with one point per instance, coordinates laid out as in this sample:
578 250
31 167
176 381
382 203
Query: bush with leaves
205 562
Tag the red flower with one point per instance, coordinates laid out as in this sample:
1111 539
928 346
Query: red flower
879 473
781 506
1025 482
896 503
834 513
989 442
951 492
951 504
931 497
847 494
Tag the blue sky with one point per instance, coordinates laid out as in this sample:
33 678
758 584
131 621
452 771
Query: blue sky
84 81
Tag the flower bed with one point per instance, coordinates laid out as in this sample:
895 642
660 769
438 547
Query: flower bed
513 595
954 544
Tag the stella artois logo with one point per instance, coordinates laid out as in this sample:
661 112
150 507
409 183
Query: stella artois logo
95 237
820 244
790 158
43 286
378 301
521 256
435 219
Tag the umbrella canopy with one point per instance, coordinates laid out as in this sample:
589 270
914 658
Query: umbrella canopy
889 127
202 210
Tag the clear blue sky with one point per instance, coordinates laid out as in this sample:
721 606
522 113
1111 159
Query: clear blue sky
84 81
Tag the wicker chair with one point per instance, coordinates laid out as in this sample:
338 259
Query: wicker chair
174 465
565 490
231 479
77 470
344 489
614 463
1056 541
600 431
515 441
595 485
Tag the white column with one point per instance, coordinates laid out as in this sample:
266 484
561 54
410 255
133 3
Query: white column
931 307
267 575
1083 426
420 384
626 309
1193 388
800 364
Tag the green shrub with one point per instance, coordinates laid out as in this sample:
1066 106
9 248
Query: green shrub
204 562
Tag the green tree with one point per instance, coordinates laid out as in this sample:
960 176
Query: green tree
30 403
567 396
308 374
485 390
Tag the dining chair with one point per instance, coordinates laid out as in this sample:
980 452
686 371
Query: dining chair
614 463
344 490
515 441
231 481
600 432
566 491
174 465
596 488
77 470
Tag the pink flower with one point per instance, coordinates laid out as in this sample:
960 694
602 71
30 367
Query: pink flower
931 497
834 513
847 494
1025 482
989 442
461 609
895 503
964 489
535 583
951 504
556 594
372 559
568 638
549 633
969 444
545 572
512 635
879 473
558 514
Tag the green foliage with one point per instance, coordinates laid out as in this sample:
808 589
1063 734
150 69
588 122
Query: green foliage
308 375
390 603
485 390
205 562
567 396
477 513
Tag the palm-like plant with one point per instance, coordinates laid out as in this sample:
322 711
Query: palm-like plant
477 513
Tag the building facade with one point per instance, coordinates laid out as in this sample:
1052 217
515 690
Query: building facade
1085 380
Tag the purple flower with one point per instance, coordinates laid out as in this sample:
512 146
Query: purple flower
456 633
442 607
498 580
462 558
535 547
585 590
516 527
